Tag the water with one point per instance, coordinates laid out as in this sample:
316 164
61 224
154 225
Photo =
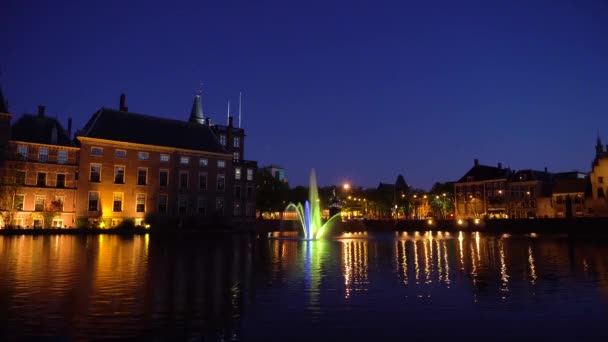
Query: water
357 287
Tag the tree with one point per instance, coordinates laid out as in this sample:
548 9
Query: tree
271 193
7 205
51 211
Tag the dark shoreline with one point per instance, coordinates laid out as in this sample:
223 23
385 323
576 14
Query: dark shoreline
573 226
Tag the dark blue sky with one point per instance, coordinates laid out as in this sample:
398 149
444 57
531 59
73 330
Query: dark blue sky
361 91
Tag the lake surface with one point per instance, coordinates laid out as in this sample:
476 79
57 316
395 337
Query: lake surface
356 287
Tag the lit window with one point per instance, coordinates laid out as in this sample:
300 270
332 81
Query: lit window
18 202
60 183
237 173
249 174
143 155
162 203
202 181
119 174
39 205
57 223
62 157
236 142
140 203
22 152
236 155
120 153
203 162
221 163
163 178
221 182
184 160
95 175
117 204
58 203
223 140
164 158
142 175
96 151
41 180
93 200
183 180
43 155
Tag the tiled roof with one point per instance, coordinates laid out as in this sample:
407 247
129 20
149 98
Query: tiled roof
115 125
39 129
531 175
573 185
485 173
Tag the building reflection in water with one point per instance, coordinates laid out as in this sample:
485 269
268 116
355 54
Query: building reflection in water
355 265
112 286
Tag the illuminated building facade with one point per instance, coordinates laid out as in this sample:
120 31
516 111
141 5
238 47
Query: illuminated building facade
598 178
568 197
528 194
123 165
38 172
481 191
155 169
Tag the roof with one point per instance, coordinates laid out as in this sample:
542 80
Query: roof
484 173
144 129
531 175
568 186
39 129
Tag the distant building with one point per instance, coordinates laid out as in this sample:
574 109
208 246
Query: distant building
598 178
528 194
277 172
481 191
569 197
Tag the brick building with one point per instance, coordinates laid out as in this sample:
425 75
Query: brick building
38 172
481 191
123 165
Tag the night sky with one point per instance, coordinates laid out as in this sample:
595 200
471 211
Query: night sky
361 91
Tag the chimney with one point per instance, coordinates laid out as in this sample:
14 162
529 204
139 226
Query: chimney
230 121
546 169
41 111
207 122
500 166
476 162
123 100
70 128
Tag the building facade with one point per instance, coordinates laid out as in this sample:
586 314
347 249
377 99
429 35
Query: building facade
598 179
124 165
39 173
481 192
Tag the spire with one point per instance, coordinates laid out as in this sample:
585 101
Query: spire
599 148
228 114
196 115
3 104
240 109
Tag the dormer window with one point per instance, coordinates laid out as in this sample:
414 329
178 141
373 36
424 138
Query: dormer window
223 140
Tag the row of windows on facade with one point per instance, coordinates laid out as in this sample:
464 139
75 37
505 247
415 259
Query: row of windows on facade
236 141
164 157
41 179
163 177
163 204
43 154
39 204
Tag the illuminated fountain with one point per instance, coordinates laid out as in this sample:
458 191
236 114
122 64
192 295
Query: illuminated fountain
309 214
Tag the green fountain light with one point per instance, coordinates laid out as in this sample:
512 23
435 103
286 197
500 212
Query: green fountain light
309 214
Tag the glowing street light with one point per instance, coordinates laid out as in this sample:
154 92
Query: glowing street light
346 186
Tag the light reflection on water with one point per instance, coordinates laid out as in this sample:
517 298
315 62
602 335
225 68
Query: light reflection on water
360 286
